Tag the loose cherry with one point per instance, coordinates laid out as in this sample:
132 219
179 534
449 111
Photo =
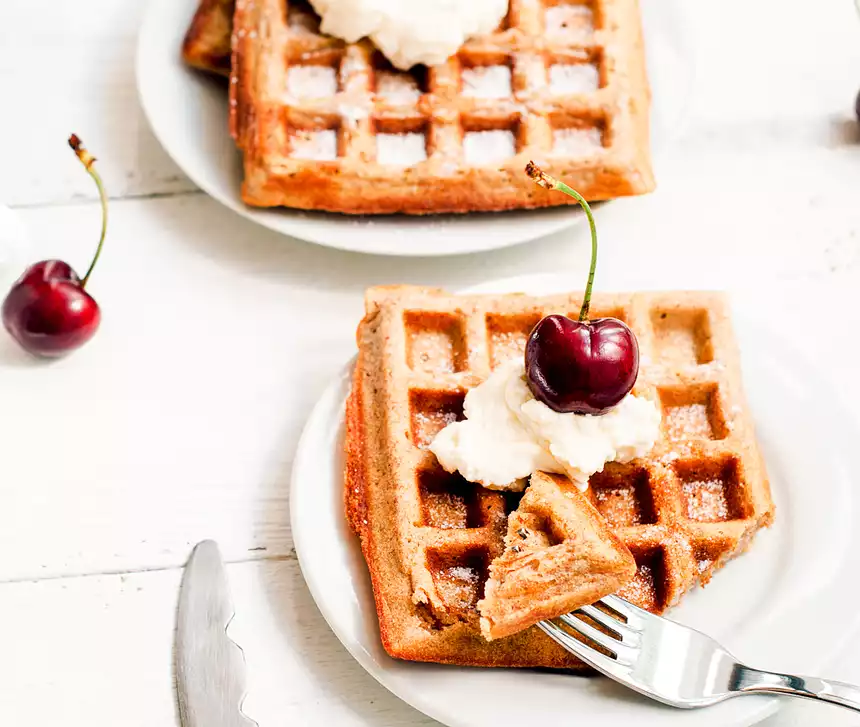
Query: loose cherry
48 311
582 366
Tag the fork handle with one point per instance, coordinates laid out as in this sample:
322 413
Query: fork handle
753 681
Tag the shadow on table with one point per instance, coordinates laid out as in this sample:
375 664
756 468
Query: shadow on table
216 233
844 131
13 356
308 635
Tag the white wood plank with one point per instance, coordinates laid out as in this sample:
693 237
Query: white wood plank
179 420
69 67
767 78
784 61
97 650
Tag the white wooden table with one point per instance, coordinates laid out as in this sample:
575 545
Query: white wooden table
179 421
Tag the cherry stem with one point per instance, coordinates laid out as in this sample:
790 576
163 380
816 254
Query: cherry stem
87 160
547 182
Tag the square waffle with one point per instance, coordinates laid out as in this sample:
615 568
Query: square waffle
428 536
559 555
207 43
332 126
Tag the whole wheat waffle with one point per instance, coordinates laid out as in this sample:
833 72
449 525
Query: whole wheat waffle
428 536
559 555
332 126
207 43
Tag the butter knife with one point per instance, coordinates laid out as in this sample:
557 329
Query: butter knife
210 667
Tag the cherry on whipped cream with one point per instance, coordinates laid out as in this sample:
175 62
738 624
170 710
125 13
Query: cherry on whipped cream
580 366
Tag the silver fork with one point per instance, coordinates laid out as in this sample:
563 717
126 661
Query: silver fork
677 665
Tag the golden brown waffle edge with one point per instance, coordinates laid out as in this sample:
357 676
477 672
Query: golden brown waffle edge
695 502
207 44
320 130
559 555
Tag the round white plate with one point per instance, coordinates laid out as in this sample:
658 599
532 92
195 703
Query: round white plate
188 113
777 606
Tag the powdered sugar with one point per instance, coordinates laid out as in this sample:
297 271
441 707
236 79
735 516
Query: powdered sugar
488 147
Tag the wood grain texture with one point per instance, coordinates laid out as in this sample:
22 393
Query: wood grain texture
98 651
179 421
71 67
68 67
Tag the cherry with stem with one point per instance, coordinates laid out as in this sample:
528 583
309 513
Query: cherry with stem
88 160
583 366
48 311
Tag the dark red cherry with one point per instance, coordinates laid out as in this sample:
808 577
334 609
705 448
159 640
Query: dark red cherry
581 367
48 311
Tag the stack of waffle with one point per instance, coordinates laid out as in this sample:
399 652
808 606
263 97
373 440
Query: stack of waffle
328 125
694 502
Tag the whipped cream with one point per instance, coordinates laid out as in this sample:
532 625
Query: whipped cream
411 31
508 435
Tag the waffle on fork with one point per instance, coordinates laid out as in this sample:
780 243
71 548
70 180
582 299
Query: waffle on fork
428 536
560 555
331 126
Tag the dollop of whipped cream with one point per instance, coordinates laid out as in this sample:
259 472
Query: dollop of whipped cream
411 31
508 435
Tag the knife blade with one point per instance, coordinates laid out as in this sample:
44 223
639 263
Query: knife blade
210 667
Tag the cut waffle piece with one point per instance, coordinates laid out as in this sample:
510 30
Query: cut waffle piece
559 555
207 43
332 126
428 536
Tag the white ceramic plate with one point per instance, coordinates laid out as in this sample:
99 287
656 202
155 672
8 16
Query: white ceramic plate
776 607
188 113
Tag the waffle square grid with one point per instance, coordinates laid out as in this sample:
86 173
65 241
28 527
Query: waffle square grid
693 503
329 125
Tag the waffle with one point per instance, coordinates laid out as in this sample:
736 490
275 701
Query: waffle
693 503
559 555
331 126
207 43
